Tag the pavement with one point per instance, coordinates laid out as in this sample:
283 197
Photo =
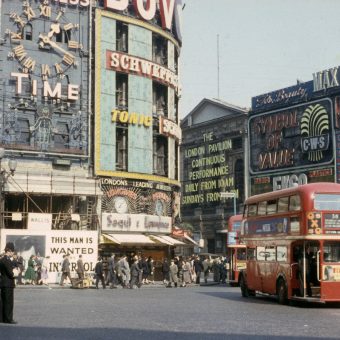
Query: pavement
157 284
212 312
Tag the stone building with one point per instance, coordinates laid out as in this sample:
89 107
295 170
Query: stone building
136 126
213 163
90 93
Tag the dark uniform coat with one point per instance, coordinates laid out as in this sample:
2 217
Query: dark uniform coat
7 289
80 269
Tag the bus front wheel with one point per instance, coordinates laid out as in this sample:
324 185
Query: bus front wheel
243 286
282 292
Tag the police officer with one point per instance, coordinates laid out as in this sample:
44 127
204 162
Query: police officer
7 284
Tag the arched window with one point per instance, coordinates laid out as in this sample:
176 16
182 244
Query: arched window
62 136
23 131
63 36
27 32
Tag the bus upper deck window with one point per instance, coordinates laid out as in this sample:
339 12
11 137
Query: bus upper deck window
262 208
245 211
252 209
271 207
294 203
283 204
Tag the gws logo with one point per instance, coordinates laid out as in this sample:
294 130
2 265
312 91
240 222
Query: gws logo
315 132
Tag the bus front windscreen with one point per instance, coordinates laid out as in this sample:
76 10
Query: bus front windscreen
327 202
236 226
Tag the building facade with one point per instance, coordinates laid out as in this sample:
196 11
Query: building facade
212 167
294 134
90 93
45 112
136 125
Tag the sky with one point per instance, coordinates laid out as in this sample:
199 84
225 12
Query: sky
264 45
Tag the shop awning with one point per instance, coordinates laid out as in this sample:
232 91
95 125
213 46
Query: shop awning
129 238
161 240
154 240
108 237
191 240
171 240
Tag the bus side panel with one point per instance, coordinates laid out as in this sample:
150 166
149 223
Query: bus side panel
269 283
254 279
330 291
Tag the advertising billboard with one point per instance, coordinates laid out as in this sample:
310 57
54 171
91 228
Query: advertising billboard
283 97
207 172
53 244
294 138
284 180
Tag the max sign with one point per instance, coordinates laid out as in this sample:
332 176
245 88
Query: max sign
146 9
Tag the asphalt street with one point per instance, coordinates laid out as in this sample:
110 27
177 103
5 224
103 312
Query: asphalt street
199 312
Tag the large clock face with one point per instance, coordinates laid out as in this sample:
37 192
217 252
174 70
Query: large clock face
121 205
159 207
44 28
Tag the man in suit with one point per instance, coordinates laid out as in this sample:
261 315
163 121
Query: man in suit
173 274
198 267
125 269
80 268
111 277
135 272
7 284
65 269
99 272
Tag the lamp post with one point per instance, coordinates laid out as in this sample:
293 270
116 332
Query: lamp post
230 195
4 174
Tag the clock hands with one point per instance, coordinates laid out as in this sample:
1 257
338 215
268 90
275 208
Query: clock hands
55 28
46 40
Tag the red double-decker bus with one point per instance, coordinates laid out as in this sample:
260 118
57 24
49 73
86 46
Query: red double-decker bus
236 251
292 238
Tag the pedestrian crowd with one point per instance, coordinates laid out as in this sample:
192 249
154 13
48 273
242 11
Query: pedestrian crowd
185 271
126 271
34 272
133 271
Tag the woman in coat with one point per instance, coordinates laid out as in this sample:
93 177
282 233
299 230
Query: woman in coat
186 268
30 272
151 270
166 272
145 269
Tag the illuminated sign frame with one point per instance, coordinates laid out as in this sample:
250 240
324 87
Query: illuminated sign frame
122 62
284 180
169 128
278 135
167 9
